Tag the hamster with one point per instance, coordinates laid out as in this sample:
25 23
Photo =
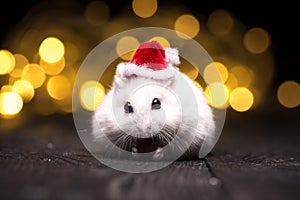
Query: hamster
142 114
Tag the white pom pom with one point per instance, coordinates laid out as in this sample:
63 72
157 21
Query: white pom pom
172 57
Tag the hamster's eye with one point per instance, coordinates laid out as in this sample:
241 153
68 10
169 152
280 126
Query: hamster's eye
155 104
128 108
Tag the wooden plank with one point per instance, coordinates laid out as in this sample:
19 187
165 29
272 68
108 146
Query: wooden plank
258 177
46 160
49 175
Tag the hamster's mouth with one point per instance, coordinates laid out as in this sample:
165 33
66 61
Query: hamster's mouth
142 145
145 145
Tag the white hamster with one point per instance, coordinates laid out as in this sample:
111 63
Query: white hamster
143 113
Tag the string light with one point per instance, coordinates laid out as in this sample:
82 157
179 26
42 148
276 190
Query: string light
24 89
10 103
34 74
126 46
257 40
241 99
53 68
232 81
91 95
56 62
21 62
59 87
51 50
7 62
188 25
242 74
6 88
288 94
144 8
215 72
163 41
217 94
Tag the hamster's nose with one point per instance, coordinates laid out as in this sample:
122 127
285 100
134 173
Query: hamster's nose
143 122
145 127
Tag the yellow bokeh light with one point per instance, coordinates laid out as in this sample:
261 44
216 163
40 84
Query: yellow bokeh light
6 88
126 47
242 74
34 74
257 40
53 68
51 50
91 95
241 99
163 41
220 22
144 8
10 103
97 13
188 25
232 81
24 89
288 94
21 62
7 62
215 72
12 80
217 95
59 87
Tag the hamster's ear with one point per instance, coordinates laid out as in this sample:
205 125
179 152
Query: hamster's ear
120 71
117 81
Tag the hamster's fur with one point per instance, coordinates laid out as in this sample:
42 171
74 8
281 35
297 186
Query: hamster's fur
127 130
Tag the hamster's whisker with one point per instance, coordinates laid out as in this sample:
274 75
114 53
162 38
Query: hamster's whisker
127 142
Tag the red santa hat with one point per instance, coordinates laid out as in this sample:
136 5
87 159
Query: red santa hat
151 60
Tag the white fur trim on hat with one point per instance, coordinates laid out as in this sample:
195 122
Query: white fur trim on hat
129 69
172 57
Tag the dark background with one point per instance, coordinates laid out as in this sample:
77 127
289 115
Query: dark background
279 18
256 157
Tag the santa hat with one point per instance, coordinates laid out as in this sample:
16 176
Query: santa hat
151 60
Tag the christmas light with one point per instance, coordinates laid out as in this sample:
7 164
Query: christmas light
288 94
59 87
188 25
91 95
163 41
53 68
215 72
144 8
242 74
217 94
126 46
7 62
257 40
24 89
51 50
21 62
10 103
241 99
34 74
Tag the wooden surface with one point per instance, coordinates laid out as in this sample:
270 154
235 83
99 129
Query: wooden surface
256 158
